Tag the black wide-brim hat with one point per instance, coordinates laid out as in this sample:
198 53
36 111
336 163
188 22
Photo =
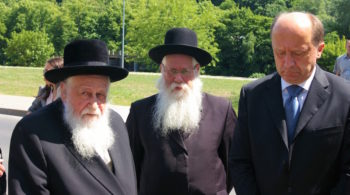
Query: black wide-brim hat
86 57
180 41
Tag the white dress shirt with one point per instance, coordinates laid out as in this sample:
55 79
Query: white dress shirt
305 85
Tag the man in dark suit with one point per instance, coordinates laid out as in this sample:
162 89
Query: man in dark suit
292 135
76 145
180 137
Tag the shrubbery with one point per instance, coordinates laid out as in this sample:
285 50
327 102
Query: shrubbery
235 32
28 48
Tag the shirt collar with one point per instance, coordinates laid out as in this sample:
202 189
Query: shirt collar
305 85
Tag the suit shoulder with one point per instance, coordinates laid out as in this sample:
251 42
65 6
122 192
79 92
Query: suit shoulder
338 84
341 56
114 116
215 99
39 123
260 83
216 103
145 102
117 123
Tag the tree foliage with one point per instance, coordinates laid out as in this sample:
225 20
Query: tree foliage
235 32
28 48
30 16
342 15
334 47
153 18
244 42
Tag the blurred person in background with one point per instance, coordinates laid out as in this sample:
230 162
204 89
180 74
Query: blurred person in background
50 91
342 64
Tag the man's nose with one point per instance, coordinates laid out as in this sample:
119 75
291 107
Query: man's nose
289 60
178 78
94 101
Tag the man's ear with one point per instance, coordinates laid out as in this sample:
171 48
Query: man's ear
160 68
63 88
320 50
197 67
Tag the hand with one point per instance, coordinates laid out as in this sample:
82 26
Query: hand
2 168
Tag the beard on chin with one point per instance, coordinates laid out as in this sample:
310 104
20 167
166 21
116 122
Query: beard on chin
178 110
92 135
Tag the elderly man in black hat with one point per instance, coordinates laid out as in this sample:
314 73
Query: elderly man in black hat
180 137
76 145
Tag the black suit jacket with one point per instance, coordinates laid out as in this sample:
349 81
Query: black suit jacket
43 159
176 165
319 158
3 184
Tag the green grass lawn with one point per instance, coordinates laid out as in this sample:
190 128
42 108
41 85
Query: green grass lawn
25 82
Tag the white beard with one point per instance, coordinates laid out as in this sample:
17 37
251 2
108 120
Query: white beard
178 110
89 137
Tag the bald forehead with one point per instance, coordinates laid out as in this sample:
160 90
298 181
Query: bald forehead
291 21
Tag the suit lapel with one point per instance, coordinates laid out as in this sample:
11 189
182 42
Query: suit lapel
317 95
273 97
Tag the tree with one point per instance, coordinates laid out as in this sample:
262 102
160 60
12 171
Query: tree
110 24
342 16
334 47
30 16
248 44
62 31
264 6
312 6
85 14
40 16
3 13
151 19
28 48
272 9
244 40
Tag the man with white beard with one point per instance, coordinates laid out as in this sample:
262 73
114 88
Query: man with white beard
180 137
77 144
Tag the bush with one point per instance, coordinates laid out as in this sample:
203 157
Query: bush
28 48
334 47
257 75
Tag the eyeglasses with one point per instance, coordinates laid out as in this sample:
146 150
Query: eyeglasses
185 72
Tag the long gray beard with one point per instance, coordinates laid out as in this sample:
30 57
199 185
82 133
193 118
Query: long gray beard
89 138
178 111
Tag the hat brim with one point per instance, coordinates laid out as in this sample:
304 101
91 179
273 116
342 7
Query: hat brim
157 53
114 73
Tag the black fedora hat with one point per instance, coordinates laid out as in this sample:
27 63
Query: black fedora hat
86 57
180 41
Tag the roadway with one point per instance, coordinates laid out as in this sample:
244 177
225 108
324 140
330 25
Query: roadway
7 124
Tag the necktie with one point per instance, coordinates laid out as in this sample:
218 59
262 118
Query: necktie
292 110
